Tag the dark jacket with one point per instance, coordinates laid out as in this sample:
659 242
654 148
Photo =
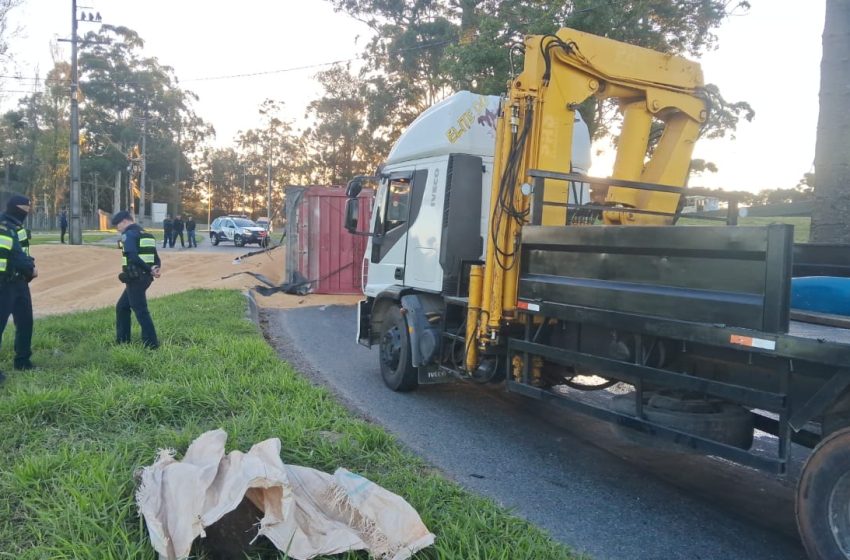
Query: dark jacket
20 262
167 224
178 225
131 247
63 219
190 224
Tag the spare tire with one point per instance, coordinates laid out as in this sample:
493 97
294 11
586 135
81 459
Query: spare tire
713 419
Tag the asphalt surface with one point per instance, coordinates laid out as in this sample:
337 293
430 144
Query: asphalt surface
561 471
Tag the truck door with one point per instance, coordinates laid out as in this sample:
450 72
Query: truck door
399 200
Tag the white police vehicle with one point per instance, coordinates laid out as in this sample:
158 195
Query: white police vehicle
240 231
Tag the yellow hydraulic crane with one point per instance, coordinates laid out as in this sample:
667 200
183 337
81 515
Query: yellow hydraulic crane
535 131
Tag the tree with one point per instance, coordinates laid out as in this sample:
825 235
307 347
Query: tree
125 94
341 143
271 151
425 49
6 6
831 215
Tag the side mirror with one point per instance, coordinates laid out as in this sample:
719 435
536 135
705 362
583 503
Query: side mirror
354 187
352 214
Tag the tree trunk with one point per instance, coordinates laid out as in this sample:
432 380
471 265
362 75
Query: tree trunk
116 195
831 216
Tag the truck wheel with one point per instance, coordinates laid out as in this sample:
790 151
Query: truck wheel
823 499
238 241
214 238
396 369
711 419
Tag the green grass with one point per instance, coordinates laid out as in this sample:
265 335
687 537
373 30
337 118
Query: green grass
75 430
50 237
801 224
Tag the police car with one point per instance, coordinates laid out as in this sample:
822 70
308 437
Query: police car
238 230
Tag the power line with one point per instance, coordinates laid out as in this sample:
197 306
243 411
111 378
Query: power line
320 64
65 81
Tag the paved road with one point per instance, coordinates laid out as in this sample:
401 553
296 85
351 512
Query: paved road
561 471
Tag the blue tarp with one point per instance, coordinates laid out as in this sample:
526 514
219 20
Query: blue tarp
822 294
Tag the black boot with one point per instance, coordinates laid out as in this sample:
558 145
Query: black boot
24 364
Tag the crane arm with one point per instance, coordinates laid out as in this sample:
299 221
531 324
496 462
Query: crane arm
535 131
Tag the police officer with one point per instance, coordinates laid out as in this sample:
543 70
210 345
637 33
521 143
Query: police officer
167 226
17 268
140 266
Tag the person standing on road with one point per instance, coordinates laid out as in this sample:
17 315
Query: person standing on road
190 232
178 230
63 224
167 226
141 265
17 268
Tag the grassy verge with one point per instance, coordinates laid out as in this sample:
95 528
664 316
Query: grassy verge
74 431
43 238
801 224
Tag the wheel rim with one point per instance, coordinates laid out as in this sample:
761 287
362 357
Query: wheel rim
839 513
391 348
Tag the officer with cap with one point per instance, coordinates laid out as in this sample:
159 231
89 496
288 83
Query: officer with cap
141 265
17 268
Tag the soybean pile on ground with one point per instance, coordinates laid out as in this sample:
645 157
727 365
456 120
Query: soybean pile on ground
85 277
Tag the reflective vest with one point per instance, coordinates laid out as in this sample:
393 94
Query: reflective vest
24 239
6 241
147 250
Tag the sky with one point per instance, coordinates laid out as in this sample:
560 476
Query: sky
769 58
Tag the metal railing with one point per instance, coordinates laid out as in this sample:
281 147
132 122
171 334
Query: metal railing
537 197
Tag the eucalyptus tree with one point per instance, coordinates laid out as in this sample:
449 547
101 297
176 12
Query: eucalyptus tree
341 143
6 32
272 156
425 49
40 146
126 95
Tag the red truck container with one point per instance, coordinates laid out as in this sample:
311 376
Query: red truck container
321 256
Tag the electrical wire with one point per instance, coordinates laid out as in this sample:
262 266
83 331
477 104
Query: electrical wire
248 74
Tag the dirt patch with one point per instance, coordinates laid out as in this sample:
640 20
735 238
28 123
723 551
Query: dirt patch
77 278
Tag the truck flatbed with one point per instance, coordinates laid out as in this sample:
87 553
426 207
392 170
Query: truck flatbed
816 331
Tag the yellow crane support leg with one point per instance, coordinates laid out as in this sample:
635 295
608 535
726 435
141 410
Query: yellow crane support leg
473 313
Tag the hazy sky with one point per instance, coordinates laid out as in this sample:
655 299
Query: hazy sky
770 58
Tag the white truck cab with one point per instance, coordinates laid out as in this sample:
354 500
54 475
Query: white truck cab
432 201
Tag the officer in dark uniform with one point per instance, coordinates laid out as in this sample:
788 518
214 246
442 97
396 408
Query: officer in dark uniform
140 266
17 268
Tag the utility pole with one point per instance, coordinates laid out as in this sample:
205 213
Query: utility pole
177 167
76 237
142 202
269 180
209 202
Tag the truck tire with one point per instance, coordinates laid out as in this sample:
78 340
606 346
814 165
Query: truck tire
394 353
823 499
715 420
238 241
215 240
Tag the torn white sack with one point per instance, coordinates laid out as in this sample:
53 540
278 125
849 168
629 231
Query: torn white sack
306 513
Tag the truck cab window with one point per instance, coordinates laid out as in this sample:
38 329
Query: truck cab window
395 205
